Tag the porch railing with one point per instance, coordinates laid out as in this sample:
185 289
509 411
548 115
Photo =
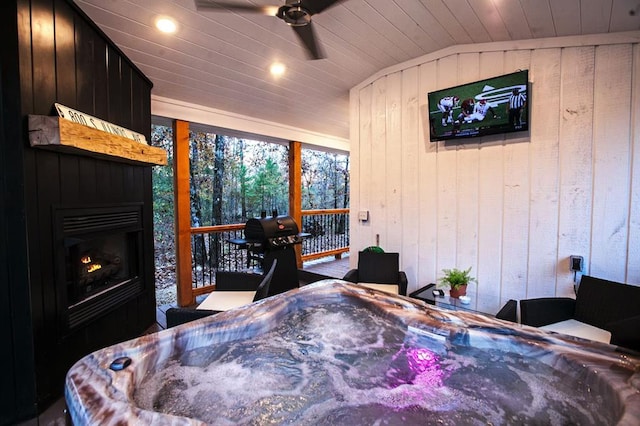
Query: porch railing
329 231
211 250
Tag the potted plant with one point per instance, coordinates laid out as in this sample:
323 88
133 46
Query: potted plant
457 281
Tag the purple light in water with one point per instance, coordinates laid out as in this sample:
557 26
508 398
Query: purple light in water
426 365
421 359
425 379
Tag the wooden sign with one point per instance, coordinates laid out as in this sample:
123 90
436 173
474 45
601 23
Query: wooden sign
96 123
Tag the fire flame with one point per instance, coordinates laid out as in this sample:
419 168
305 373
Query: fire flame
93 267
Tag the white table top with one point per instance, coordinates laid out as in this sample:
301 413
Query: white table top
225 300
579 329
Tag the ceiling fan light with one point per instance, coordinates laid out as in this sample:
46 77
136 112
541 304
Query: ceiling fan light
270 10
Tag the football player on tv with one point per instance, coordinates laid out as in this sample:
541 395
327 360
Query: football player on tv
480 111
466 109
446 106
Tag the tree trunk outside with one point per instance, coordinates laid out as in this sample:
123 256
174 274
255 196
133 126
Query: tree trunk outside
216 205
199 250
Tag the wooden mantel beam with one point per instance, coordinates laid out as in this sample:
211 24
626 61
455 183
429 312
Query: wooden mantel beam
51 132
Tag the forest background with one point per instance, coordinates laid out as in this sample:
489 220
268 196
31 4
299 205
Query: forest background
231 181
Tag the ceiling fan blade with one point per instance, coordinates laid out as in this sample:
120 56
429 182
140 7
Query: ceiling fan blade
211 5
307 35
317 6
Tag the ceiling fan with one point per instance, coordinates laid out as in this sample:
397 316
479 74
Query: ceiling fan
296 13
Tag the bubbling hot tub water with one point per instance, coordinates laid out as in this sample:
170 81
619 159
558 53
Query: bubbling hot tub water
340 354
341 363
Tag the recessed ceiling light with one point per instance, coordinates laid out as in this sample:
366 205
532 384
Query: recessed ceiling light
277 69
166 25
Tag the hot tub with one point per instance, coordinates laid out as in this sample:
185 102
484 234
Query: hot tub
336 353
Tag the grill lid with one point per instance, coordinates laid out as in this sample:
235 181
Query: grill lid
267 228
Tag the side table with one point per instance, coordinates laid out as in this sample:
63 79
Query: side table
426 295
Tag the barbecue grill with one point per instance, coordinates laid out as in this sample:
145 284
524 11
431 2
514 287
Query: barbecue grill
269 238
272 232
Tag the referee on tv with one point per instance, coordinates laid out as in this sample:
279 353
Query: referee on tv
517 102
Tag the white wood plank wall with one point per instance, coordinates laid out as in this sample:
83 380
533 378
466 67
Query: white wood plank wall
513 207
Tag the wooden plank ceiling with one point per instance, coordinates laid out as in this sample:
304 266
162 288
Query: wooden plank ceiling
220 59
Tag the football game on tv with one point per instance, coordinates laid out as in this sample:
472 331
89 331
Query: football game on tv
486 107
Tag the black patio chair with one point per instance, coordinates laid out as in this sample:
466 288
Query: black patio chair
509 312
229 281
378 268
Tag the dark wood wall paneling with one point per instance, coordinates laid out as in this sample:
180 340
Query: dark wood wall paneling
43 190
16 352
6 321
63 57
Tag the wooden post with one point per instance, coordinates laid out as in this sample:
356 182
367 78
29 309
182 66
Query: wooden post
295 191
182 212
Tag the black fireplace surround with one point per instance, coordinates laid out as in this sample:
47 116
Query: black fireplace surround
98 260
53 53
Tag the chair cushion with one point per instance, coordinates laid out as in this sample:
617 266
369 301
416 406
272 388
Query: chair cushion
389 288
225 300
381 268
575 328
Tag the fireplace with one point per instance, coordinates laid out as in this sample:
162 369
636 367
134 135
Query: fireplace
98 265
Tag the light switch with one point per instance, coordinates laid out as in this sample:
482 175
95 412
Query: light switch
363 215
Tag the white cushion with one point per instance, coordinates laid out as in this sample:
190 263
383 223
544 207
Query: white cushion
225 300
389 288
579 329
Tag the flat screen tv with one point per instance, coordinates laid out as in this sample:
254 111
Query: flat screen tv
486 107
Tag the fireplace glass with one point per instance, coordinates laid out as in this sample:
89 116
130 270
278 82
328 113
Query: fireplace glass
99 260
96 264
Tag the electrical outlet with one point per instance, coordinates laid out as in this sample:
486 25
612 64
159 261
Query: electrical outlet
363 215
576 263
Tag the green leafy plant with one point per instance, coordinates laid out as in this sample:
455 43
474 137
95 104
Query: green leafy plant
456 278
374 249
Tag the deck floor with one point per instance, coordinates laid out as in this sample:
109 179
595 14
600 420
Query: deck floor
335 268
